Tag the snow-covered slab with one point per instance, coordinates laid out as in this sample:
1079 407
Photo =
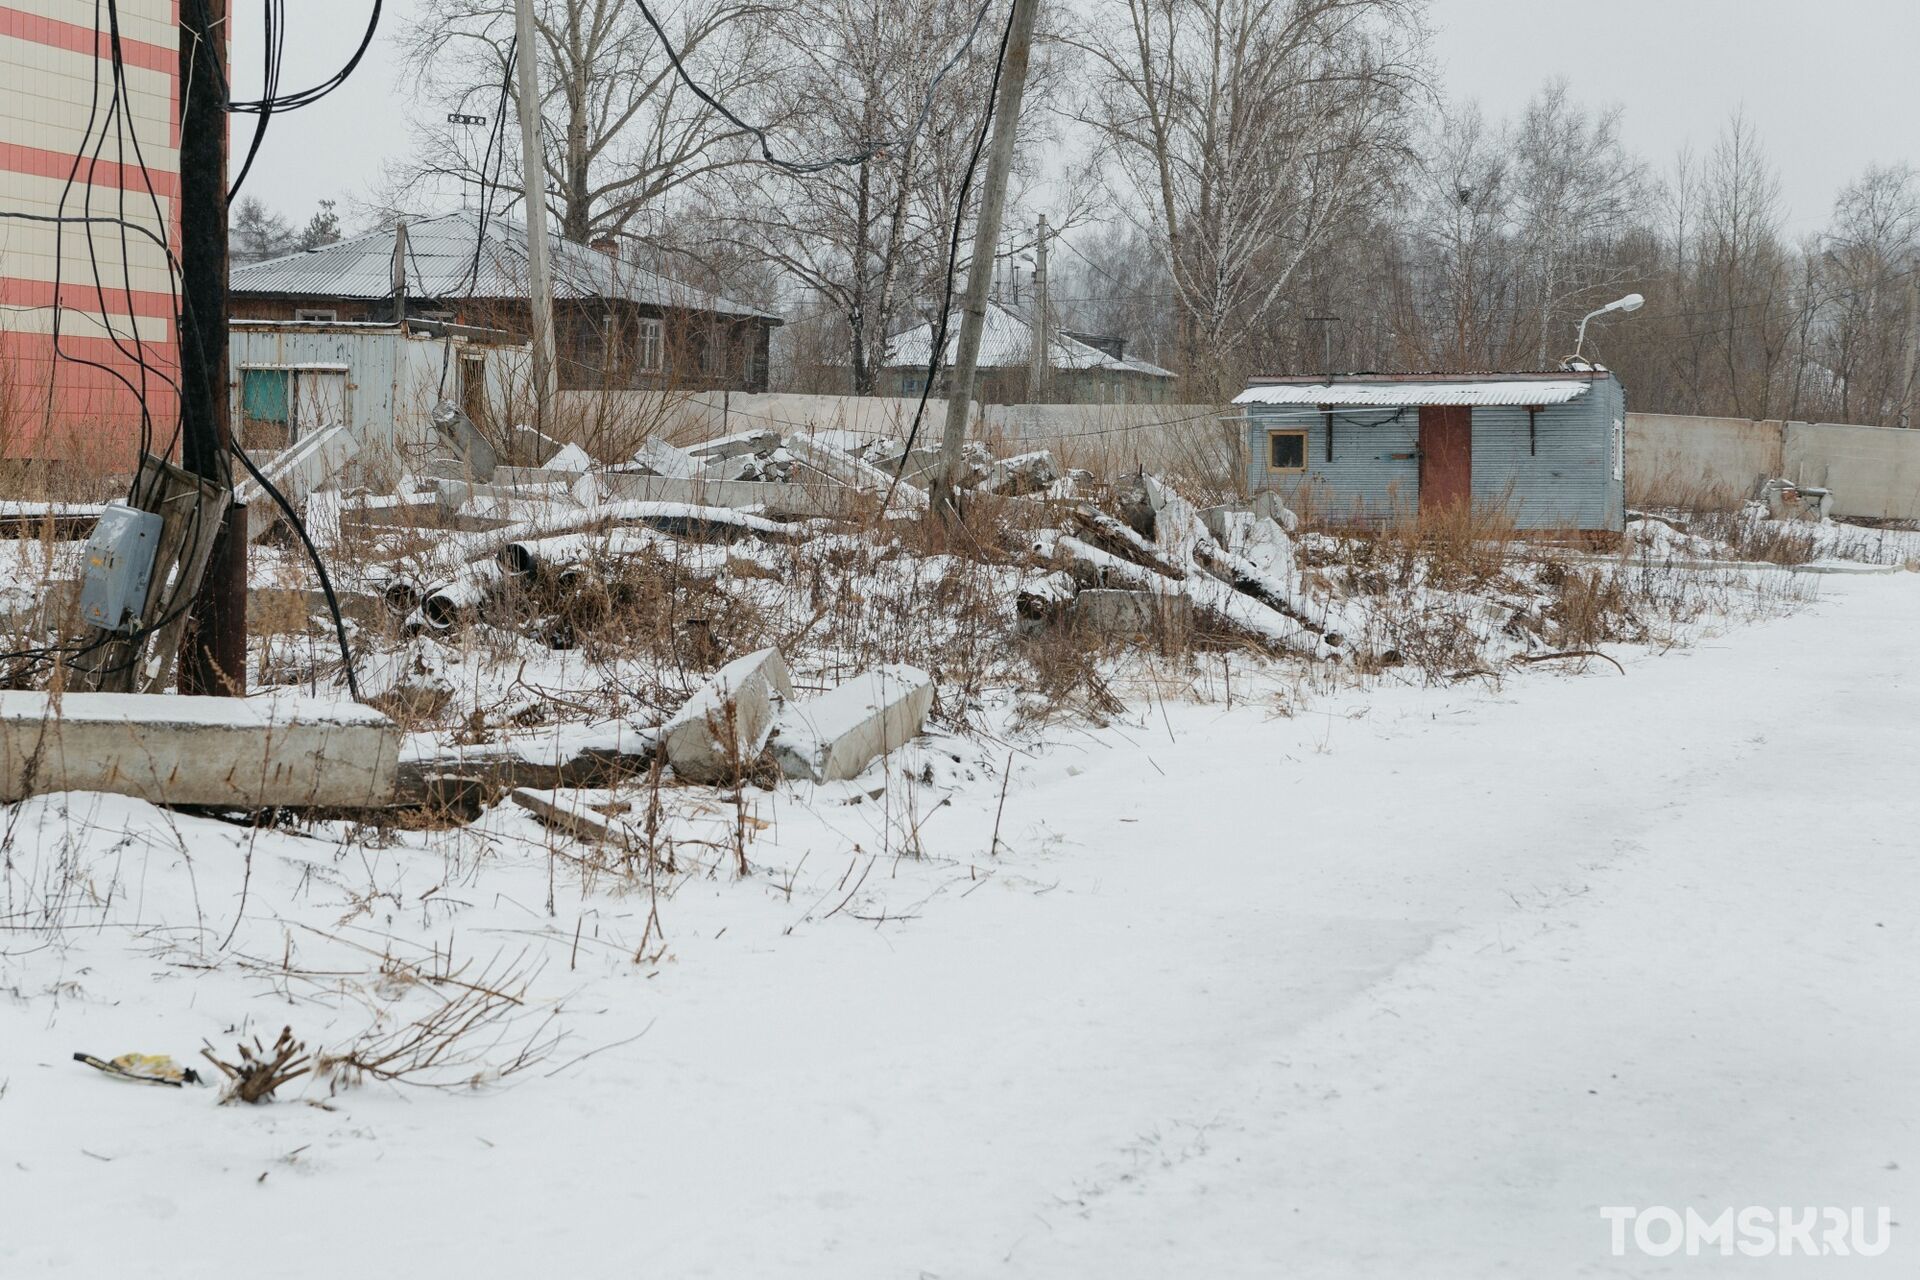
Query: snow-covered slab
723 726
836 735
279 749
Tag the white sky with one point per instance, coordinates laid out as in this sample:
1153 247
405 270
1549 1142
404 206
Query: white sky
1832 84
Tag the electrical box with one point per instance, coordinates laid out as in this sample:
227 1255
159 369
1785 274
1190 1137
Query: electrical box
113 588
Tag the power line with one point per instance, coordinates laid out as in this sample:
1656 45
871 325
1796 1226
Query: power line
846 161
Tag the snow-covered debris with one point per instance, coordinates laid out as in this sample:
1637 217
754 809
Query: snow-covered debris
659 458
851 471
717 732
1114 612
568 458
1021 474
836 735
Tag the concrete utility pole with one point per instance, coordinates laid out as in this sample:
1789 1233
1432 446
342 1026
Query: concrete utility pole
534 178
986 234
400 272
1910 401
1038 377
214 656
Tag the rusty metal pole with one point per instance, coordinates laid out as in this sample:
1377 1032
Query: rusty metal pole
213 652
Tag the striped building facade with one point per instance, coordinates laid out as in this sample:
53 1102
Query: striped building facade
87 310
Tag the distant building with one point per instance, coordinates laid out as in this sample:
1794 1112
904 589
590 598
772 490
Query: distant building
616 324
1547 447
87 310
1081 368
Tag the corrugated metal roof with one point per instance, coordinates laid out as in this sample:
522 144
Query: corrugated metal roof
1396 394
440 264
1006 341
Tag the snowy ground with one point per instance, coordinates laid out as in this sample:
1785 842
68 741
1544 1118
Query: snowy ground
1404 983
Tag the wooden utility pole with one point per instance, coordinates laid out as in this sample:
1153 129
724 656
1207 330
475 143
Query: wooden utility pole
534 178
213 655
986 234
1039 375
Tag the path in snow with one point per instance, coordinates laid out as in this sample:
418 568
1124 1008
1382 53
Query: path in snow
1406 988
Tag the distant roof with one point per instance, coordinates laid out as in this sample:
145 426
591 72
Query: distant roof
440 264
1390 391
1006 341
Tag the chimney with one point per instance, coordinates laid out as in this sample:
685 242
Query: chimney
608 245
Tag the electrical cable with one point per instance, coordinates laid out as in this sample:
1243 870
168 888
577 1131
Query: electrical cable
313 553
847 161
937 344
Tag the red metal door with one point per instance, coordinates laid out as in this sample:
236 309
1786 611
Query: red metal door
1446 456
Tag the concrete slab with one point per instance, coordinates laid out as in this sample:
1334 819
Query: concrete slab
726 723
245 753
836 735
1132 613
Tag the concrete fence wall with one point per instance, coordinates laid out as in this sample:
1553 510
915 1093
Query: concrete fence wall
1874 472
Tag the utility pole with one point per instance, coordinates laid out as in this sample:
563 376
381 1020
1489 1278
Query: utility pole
534 178
1910 400
213 656
1038 378
986 234
400 272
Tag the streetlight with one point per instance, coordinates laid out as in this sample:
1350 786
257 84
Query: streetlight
1632 302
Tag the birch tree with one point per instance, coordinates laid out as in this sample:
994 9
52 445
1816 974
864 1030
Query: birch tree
1247 131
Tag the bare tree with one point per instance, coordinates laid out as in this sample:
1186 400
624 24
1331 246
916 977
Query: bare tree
1248 130
1865 275
623 132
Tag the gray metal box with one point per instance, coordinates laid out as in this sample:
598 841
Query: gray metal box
113 586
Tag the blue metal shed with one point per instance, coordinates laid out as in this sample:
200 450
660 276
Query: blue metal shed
1548 447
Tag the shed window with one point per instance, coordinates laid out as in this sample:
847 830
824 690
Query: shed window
265 408
315 313
1287 451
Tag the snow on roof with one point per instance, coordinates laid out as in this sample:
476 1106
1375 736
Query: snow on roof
440 264
1383 394
1006 341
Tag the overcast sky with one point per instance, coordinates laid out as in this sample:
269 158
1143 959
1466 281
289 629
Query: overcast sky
1832 84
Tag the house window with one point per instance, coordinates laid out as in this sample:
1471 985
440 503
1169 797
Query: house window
265 409
312 313
911 386
647 343
1287 452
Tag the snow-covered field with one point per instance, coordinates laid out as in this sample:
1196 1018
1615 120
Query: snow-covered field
1394 982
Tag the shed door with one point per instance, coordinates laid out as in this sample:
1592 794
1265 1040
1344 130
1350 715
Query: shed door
1446 457
319 400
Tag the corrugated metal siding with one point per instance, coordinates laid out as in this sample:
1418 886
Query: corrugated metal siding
371 358
1375 468
1560 484
1569 483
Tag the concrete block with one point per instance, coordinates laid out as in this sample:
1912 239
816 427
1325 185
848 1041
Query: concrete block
246 753
727 721
1131 613
1022 473
836 735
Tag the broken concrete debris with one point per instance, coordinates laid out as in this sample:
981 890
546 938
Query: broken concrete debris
720 730
836 735
1109 612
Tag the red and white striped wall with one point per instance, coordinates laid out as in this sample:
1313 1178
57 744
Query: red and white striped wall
83 307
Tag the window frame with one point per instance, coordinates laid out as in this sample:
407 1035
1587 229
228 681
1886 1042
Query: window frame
1274 432
649 344
316 315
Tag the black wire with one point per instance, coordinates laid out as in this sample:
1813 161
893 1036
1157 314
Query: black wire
937 345
274 103
498 158
313 553
848 161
